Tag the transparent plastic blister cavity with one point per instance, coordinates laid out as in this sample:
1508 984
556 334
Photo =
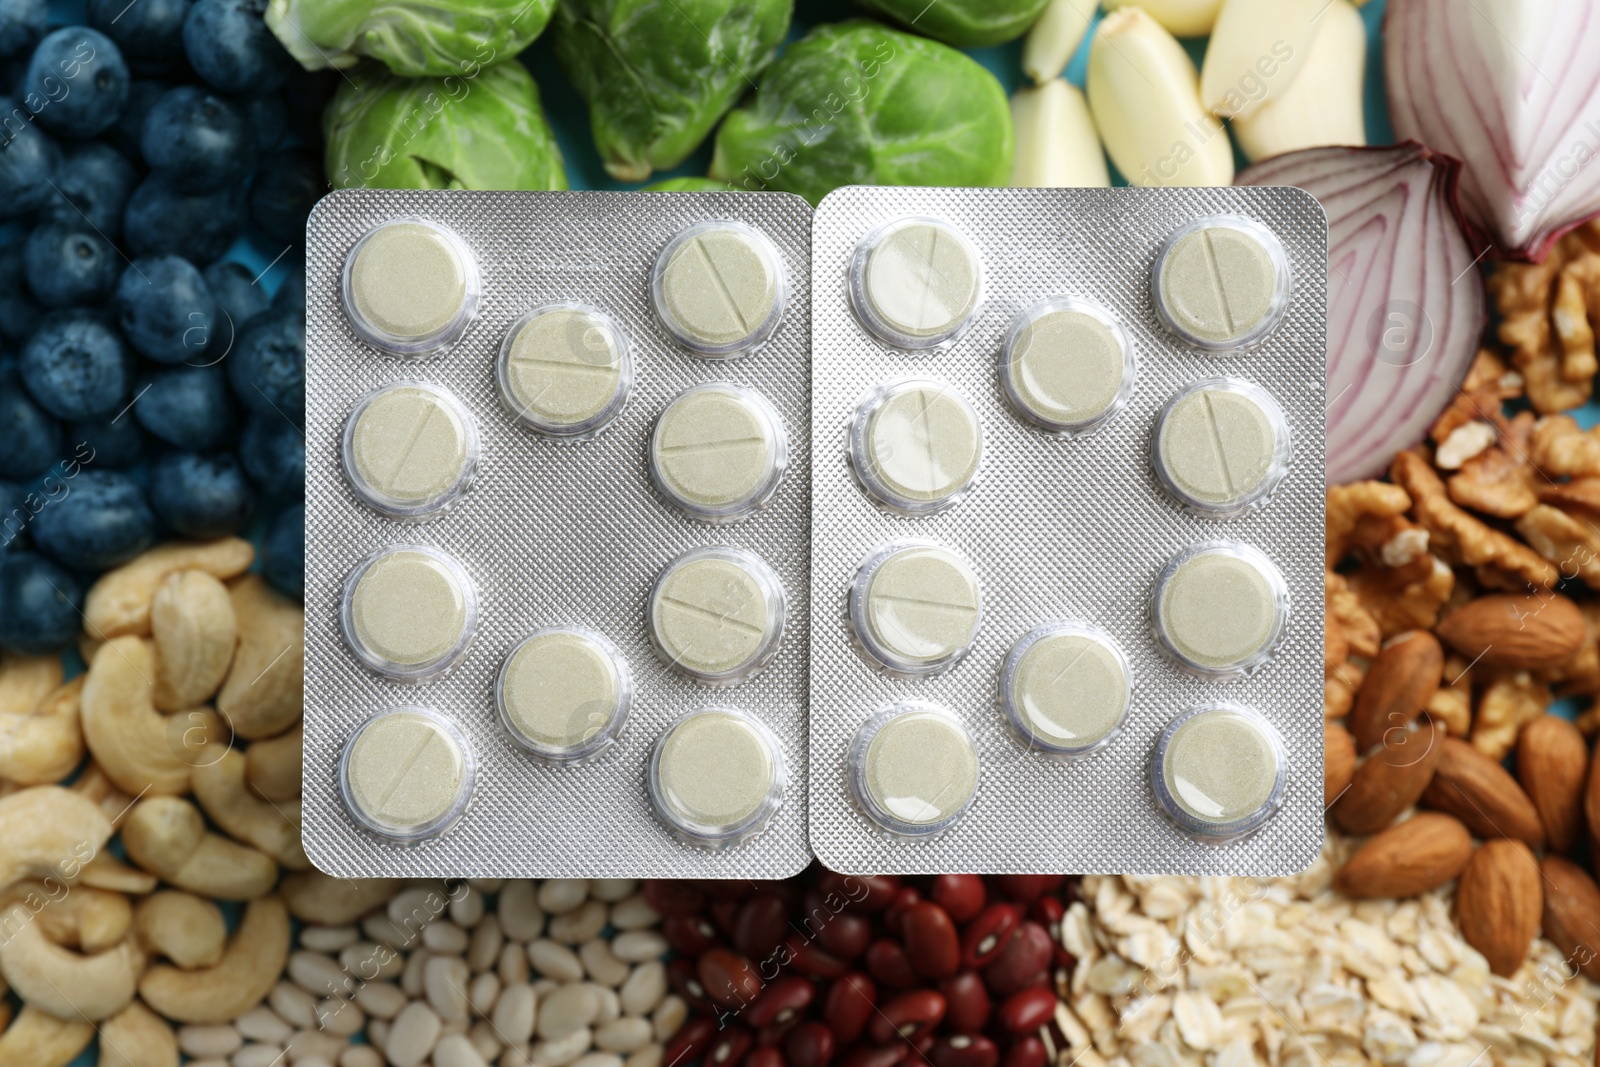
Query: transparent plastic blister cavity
1064 533
558 699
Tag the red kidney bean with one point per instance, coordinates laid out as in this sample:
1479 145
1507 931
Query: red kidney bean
760 925
1026 887
849 1005
783 999
872 1056
908 1015
964 1050
1050 913
1025 1051
804 956
728 978
846 935
914 1050
1028 1010
726 888
765 1057
860 892
962 895
729 1048
684 978
887 962
672 897
932 944
986 935
688 935
810 1044
774 1035
1022 962
968 1002
691 1040
895 914
723 912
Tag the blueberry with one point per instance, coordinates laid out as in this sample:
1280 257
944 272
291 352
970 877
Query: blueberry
124 136
28 161
33 439
197 139
77 82
92 187
165 308
69 265
18 310
188 407
239 297
150 32
22 23
76 366
162 219
107 444
286 552
14 515
267 367
274 455
285 188
39 605
100 520
201 496
229 45
292 292
268 118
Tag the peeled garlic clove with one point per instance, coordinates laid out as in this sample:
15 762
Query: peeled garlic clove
1322 106
1144 94
1056 142
1054 39
1256 50
1181 18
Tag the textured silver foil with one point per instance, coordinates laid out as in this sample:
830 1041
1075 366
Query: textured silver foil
552 533
1065 528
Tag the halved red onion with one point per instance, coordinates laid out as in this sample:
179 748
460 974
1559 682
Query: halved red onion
1406 306
1512 88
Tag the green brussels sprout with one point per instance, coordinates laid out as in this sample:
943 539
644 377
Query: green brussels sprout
487 132
415 38
858 104
688 185
658 76
964 23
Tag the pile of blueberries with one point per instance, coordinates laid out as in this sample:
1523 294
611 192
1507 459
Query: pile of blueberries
149 388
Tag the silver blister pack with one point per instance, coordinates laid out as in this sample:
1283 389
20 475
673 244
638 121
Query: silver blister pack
552 532
921 533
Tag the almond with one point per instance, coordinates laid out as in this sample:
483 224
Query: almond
1527 633
1390 780
1398 686
1552 760
1591 807
1482 794
1572 914
1338 761
1422 853
1500 903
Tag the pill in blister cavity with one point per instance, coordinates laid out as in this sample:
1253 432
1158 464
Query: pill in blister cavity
564 694
915 446
717 615
716 778
1067 365
1221 282
1221 446
915 282
915 608
719 288
1220 608
718 452
913 769
410 287
407 774
1219 771
410 449
1065 688
564 370
409 612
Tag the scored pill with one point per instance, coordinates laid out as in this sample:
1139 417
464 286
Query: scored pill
710 616
922 445
921 281
719 287
1218 284
409 444
1216 446
563 368
923 606
713 448
404 770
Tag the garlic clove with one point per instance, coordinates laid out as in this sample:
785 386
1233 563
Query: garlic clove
1055 38
1056 141
1144 94
1181 18
1322 106
1256 50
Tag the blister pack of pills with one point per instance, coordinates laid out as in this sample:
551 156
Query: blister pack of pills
1066 530
557 509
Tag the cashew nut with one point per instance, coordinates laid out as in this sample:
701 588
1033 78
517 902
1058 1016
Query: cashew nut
264 693
186 929
67 984
26 680
105 871
137 1037
76 916
168 837
272 765
37 1039
93 784
119 603
140 749
191 620
273 828
43 743
88 646
249 969
315 897
48 831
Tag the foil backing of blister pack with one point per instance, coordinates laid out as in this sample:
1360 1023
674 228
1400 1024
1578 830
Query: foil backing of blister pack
1065 528
551 532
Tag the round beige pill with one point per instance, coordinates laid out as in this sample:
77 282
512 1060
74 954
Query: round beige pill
409 612
564 370
1219 771
916 282
1065 688
564 694
1067 366
407 774
915 608
1221 445
1221 282
916 446
1220 607
716 615
718 452
716 778
410 449
914 769
410 287
719 288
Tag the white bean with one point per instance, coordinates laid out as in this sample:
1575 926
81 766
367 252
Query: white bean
297 1007
563 1050
445 937
514 1014
599 1059
360 1056
341 1017
649 1056
317 974
483 992
639 946
457 1051
520 916
484 947
513 966
623 1035
644 988
668 1016
413 1035
612 890
634 913
328 938
445 983
466 909
215 1041
256 1056
381 999
602 964
264 1025
570 1008
560 895
555 961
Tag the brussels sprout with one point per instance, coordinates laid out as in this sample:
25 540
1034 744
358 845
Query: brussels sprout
487 132
659 76
858 104
964 23
414 38
688 185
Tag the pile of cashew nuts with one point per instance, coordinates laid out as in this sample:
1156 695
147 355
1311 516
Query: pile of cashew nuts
183 741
